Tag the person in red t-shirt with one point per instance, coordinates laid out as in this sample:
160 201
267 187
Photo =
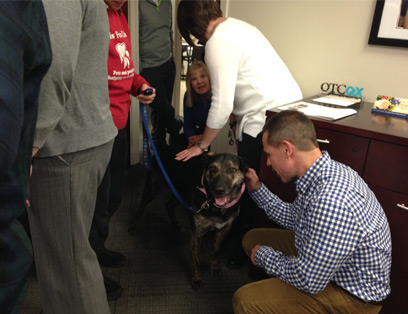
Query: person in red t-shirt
123 82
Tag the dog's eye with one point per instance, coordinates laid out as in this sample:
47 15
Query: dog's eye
233 170
213 169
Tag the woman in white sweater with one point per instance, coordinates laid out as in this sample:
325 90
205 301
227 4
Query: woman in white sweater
247 76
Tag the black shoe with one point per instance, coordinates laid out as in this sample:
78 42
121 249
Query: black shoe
237 260
113 288
111 259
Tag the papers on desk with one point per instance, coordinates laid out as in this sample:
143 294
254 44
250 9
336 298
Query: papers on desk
338 100
318 111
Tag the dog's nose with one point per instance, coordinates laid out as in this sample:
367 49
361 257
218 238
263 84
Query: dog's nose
219 191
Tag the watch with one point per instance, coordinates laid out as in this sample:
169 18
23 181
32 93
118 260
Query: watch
204 150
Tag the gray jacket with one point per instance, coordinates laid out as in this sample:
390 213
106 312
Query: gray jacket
155 33
74 112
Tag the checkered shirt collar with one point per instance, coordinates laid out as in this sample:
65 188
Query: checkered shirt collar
307 180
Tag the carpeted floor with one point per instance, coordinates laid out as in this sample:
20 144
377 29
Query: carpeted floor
156 276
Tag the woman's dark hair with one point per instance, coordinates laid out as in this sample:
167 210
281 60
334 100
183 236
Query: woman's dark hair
193 17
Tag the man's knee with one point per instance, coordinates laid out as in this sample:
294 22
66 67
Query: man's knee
248 241
237 300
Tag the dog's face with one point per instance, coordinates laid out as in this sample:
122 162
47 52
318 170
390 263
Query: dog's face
223 176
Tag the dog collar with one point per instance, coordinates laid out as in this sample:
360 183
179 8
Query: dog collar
227 204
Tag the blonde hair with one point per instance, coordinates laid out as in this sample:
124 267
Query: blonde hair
192 96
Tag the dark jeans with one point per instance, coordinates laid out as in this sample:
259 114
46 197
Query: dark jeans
162 114
110 193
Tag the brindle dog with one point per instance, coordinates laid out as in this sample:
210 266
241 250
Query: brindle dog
215 206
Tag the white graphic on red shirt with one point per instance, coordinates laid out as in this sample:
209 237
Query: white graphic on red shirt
123 54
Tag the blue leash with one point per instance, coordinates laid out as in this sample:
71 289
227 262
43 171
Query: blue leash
148 159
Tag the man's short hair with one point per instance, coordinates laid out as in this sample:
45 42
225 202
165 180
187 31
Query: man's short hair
193 17
293 126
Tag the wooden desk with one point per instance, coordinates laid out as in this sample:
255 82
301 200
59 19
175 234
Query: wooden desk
376 146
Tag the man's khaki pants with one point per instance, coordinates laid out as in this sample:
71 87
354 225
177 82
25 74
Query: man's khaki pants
276 296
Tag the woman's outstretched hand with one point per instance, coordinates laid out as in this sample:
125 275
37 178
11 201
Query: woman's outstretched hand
188 153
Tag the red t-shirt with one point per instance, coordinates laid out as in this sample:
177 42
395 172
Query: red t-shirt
122 78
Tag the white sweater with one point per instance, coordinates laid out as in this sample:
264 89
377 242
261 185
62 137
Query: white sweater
247 76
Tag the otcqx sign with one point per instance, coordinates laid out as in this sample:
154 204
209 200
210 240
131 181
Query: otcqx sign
342 89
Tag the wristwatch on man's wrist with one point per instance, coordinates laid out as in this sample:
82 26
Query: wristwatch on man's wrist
204 150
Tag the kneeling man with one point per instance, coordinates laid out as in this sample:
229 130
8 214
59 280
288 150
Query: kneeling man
334 255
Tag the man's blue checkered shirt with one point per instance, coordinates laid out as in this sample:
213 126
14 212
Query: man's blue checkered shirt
341 233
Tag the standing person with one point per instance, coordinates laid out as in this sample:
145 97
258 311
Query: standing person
122 81
335 256
157 66
25 56
247 76
72 146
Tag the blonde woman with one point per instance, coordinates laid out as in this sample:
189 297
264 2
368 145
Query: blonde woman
197 102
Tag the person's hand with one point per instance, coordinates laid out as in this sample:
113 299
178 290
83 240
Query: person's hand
188 153
146 99
193 140
256 248
252 182
34 152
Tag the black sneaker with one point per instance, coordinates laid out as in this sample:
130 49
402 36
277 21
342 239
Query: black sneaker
113 288
111 259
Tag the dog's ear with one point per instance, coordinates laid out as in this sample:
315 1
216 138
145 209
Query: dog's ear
243 164
205 157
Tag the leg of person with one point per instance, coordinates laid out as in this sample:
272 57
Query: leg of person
162 114
107 202
100 220
251 149
99 233
118 171
117 167
15 263
276 296
63 192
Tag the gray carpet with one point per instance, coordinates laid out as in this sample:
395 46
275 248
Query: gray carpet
156 276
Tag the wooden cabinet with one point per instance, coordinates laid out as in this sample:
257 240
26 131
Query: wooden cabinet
345 148
393 204
387 166
376 146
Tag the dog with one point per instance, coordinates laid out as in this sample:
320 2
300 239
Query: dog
213 185
215 206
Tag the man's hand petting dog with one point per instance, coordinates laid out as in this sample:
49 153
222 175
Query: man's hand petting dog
251 180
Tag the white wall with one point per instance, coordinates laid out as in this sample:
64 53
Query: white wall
327 41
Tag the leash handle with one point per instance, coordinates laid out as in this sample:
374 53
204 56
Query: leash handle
143 111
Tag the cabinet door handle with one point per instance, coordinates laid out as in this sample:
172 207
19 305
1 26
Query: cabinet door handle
402 206
323 141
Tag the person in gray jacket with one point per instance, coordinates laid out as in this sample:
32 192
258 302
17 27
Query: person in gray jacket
157 66
72 146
